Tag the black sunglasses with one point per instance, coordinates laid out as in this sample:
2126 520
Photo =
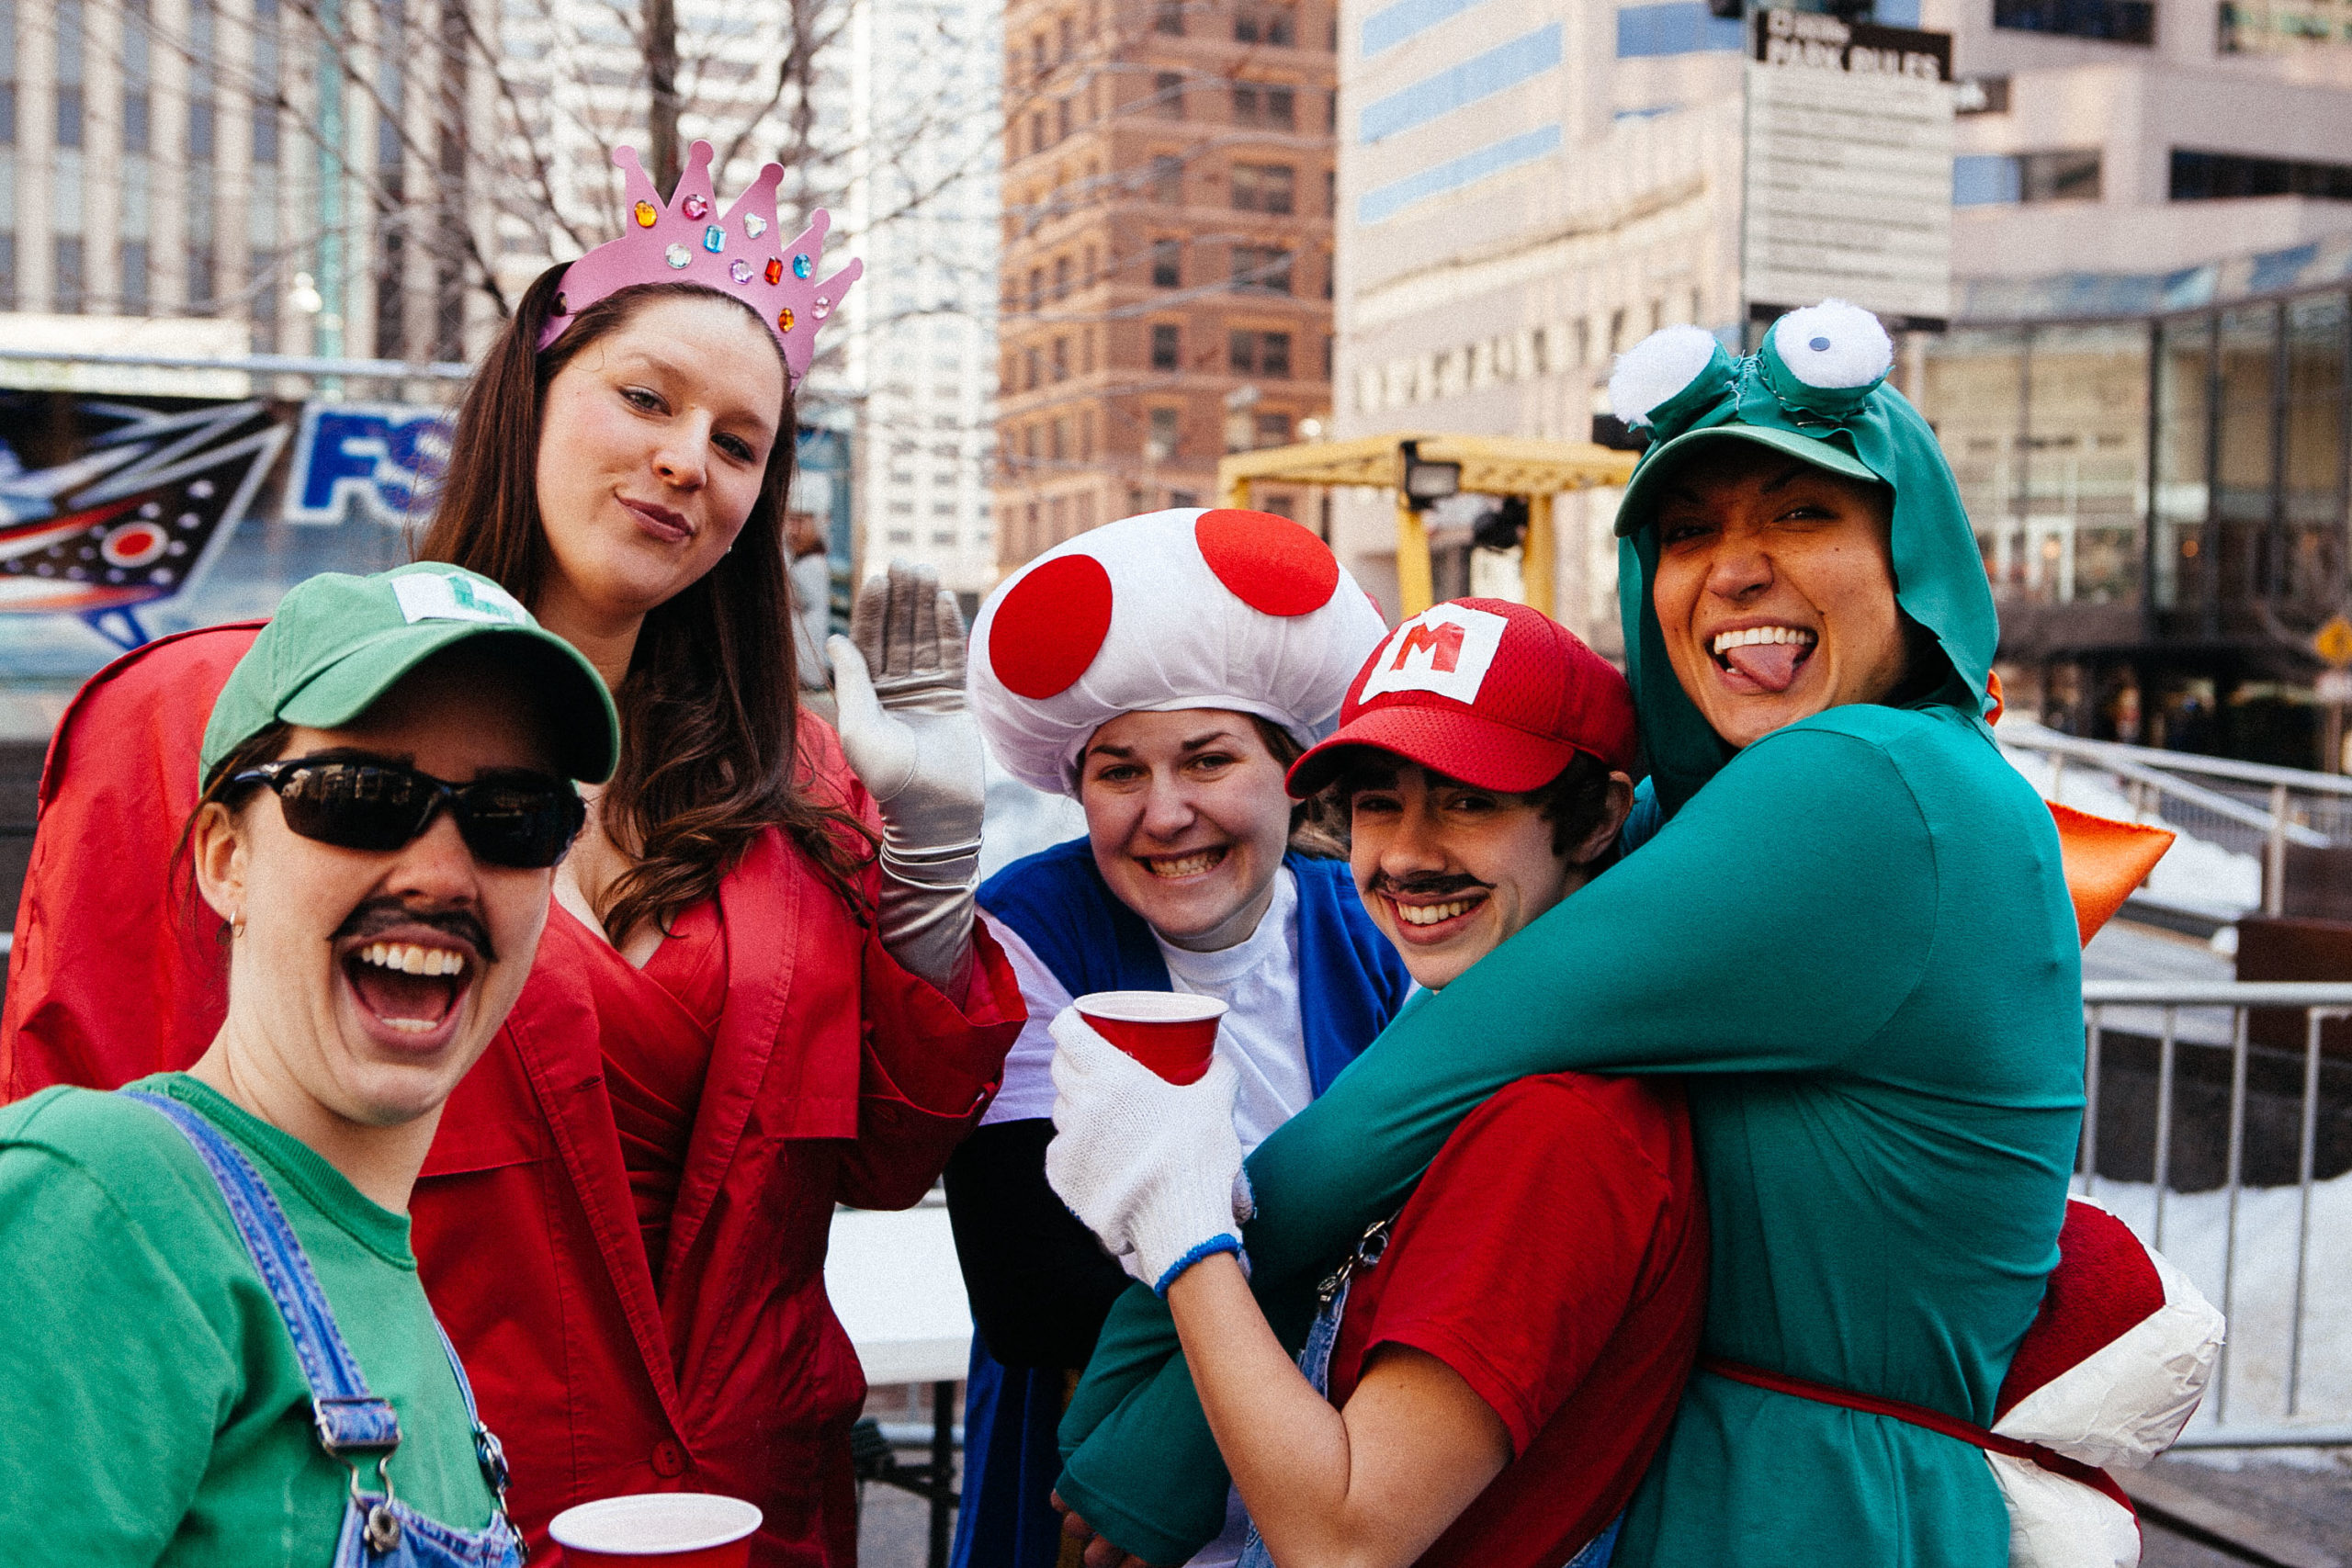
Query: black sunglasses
514 819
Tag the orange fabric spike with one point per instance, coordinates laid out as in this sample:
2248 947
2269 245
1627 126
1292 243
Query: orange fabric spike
2105 860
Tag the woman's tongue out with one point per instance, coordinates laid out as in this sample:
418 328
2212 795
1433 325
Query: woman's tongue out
1767 666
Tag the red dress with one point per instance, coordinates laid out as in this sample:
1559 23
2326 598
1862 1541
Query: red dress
833 1076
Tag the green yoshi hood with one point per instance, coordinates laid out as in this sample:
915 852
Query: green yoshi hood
1817 390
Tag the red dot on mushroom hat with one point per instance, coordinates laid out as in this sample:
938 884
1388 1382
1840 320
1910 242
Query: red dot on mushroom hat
1050 624
1270 563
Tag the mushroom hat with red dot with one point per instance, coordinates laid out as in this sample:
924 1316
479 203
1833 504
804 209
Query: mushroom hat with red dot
1190 608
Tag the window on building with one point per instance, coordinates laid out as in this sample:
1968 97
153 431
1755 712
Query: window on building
1060 440
135 295
2216 177
1331 111
1061 359
1037 131
1167 18
2007 179
1037 54
203 280
1061 119
1168 263
1330 273
265 70
1029 363
1168 95
1264 269
1252 353
1330 193
67 292
1037 286
1168 179
1262 103
1165 346
1161 446
1061 277
1265 24
1063 38
8 267
202 108
138 79
1089 271
71 110
2116 21
261 268
1274 430
1263 188
8 81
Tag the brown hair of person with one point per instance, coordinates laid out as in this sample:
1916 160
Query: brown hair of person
1316 828
1574 801
262 746
709 708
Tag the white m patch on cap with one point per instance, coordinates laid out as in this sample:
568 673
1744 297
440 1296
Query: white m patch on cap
1446 650
430 596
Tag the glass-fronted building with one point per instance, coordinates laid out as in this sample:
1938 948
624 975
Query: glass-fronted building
2159 468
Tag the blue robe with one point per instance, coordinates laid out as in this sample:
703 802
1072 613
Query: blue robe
1351 983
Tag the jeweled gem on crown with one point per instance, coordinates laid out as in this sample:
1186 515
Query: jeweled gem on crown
784 320
714 239
678 255
802 266
823 306
646 215
775 269
739 270
754 225
697 208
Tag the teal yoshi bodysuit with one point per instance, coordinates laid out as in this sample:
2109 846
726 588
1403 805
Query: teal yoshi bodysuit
1854 940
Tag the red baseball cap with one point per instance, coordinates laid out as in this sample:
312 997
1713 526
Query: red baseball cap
1485 690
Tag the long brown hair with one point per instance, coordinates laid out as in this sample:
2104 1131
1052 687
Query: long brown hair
709 708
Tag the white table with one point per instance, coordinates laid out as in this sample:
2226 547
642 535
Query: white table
896 1287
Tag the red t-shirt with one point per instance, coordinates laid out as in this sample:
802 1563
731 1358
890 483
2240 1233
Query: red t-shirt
1554 1257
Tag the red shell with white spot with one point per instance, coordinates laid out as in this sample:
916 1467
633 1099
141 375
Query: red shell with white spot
1190 608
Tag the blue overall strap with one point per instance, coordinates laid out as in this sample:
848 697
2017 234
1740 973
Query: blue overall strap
349 1419
489 1452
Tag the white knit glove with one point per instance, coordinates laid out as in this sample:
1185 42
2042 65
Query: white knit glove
1153 1169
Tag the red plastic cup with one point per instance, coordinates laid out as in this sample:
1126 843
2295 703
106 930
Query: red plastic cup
674 1530
1172 1033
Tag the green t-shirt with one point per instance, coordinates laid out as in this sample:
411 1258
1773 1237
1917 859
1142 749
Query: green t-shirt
151 1407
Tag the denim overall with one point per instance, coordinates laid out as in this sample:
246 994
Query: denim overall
352 1426
1314 1361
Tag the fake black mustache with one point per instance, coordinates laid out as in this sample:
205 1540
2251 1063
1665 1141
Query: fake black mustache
1429 885
387 914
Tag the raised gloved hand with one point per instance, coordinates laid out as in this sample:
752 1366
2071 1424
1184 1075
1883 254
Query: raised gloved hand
1153 1169
899 682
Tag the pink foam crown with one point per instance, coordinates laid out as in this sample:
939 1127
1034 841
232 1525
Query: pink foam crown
686 242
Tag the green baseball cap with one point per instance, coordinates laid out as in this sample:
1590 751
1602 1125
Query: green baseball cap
339 642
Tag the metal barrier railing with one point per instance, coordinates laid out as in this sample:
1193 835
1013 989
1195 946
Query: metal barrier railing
2250 807
2215 1019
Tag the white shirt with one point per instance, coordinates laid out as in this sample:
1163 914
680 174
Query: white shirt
1257 978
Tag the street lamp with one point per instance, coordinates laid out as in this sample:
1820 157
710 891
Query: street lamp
1427 482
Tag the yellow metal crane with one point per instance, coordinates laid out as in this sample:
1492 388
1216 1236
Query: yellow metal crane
1421 469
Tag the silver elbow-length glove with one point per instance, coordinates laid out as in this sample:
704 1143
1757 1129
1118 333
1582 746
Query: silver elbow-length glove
899 680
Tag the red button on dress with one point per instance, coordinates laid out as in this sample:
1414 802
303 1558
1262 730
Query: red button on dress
668 1459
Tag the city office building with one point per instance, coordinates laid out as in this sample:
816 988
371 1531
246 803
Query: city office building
1167 265
378 179
1527 187
921 325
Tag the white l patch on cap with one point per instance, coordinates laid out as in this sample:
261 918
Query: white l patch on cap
431 596
1444 650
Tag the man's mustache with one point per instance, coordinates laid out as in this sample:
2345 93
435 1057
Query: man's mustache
1426 885
388 914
